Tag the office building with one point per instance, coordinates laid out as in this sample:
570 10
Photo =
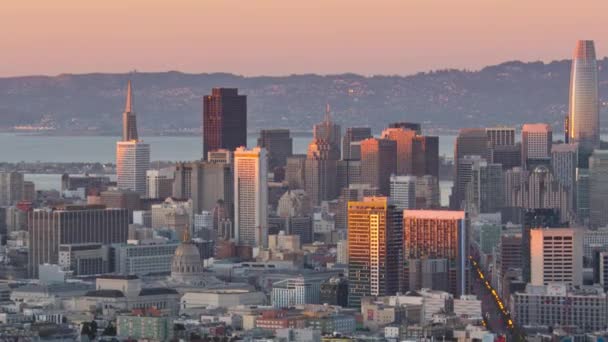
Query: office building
320 172
425 154
294 171
205 183
412 126
403 192
173 214
251 196
278 143
404 148
11 188
509 156
598 188
353 134
469 142
431 274
501 136
556 256
564 160
297 291
532 219
378 163
143 258
224 120
602 269
428 194
51 228
132 154
374 248
349 172
582 195
87 182
159 183
124 199
485 187
85 258
580 309
330 132
536 140
437 234
355 192
583 113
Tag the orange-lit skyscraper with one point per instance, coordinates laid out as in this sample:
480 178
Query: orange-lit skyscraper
438 234
583 114
378 163
132 154
375 239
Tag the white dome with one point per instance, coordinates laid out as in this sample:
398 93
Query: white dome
187 264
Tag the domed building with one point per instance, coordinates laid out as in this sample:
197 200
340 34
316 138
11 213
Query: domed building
187 266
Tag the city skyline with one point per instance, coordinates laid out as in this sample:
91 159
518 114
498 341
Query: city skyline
281 39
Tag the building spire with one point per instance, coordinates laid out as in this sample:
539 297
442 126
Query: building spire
129 122
129 103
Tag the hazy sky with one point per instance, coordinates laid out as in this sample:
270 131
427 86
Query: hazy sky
276 37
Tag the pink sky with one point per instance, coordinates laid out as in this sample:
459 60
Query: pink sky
277 37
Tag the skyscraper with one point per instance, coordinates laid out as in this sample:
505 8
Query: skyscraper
224 120
403 192
425 155
536 140
501 136
353 134
328 131
378 163
437 234
470 141
485 189
374 249
583 114
556 256
564 160
278 143
404 139
132 155
11 188
598 188
251 196
321 169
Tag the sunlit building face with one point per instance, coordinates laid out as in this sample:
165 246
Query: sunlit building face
583 115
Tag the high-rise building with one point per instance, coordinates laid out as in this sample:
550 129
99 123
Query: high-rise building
509 156
532 219
425 154
437 234
353 134
205 183
294 171
354 192
470 141
278 143
465 167
374 249
583 114
598 188
50 228
564 160
330 132
582 195
485 189
536 142
403 138
349 172
159 183
11 188
428 194
378 163
556 256
132 154
251 196
321 169
501 136
403 192
224 120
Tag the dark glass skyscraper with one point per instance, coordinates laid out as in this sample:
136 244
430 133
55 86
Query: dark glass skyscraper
278 143
224 120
